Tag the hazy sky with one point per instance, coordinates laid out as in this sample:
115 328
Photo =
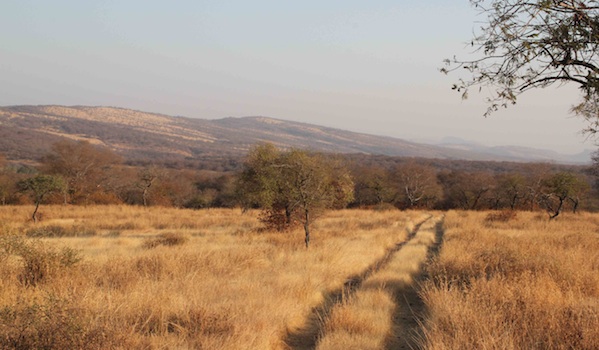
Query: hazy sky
367 66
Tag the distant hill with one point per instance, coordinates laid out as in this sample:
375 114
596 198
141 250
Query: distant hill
26 133
517 151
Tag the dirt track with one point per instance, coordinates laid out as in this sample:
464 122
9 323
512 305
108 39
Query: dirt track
397 274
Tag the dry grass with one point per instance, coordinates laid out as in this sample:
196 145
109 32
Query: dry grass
229 286
213 279
526 283
380 314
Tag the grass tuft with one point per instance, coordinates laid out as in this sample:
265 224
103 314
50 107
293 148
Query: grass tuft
168 239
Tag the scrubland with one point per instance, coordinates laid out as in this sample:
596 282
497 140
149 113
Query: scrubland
157 278
521 282
122 277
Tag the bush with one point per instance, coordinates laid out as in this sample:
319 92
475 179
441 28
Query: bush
274 219
40 261
166 239
52 324
501 216
59 231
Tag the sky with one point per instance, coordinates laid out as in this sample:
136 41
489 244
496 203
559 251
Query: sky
365 66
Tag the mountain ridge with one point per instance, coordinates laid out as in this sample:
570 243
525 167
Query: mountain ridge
26 132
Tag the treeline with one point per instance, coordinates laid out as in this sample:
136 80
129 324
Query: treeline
417 184
96 175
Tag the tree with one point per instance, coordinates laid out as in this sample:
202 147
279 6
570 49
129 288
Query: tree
510 190
257 184
84 167
39 187
372 186
560 187
465 190
4 181
315 184
147 177
417 184
524 45
294 185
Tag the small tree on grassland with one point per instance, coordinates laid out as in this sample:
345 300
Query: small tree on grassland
39 187
294 186
561 187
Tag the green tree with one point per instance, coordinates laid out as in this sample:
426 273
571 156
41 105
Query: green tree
510 191
39 187
258 184
315 183
293 186
560 187
523 45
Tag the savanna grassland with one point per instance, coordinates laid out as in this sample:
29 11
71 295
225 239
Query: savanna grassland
158 278
123 277
505 281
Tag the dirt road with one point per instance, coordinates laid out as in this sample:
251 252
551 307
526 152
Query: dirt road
380 308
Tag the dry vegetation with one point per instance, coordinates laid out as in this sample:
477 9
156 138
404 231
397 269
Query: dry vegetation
156 278
120 277
380 315
518 282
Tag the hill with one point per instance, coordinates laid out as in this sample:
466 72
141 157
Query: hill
26 133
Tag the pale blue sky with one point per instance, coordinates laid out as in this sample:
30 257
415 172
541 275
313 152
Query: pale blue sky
367 66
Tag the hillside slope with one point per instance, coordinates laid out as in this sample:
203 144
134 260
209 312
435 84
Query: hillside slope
26 132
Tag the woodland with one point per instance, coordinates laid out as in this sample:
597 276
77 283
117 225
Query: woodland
92 174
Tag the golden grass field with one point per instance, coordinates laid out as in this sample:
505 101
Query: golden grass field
230 286
528 283
161 278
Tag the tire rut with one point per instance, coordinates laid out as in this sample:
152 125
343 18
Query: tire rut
307 337
410 311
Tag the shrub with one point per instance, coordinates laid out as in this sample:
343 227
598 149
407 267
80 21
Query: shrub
274 219
52 324
501 216
59 231
40 261
166 239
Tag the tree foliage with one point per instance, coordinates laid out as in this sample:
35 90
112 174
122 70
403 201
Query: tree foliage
373 186
294 186
560 187
523 45
39 187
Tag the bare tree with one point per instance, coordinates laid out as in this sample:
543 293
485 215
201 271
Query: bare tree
466 190
417 184
147 179
83 166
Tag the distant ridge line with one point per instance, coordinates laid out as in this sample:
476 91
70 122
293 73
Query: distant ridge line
27 131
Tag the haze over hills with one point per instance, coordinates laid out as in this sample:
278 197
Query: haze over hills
26 132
